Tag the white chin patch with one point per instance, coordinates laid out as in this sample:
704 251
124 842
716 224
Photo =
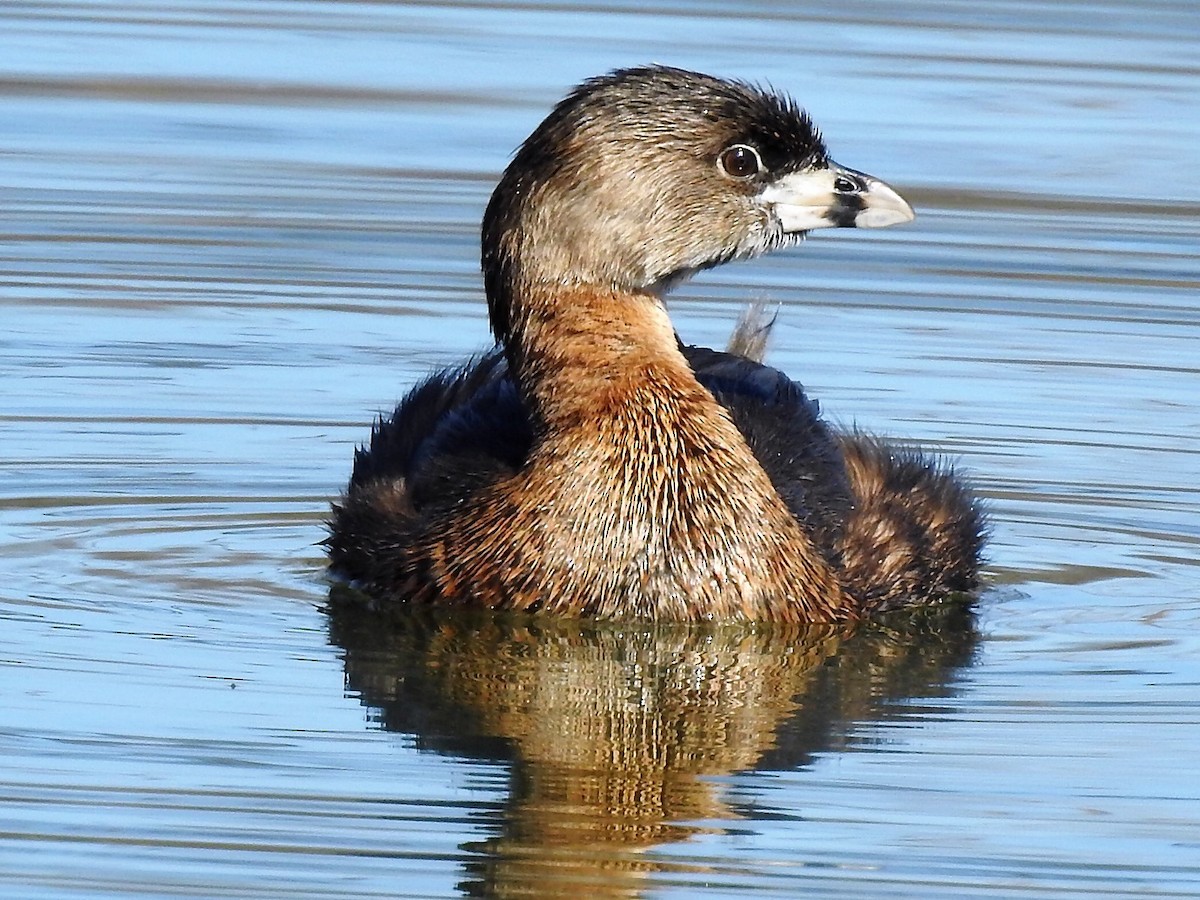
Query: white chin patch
801 218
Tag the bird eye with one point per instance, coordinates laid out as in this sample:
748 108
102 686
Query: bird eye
843 184
740 161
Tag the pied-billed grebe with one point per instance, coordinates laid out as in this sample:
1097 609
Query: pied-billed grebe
594 466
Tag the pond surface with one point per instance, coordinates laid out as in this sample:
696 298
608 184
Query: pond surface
232 233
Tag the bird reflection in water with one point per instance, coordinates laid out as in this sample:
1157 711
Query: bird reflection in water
611 728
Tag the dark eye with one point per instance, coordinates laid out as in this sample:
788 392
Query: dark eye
843 184
740 161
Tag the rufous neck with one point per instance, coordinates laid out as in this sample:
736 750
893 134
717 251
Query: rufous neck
578 349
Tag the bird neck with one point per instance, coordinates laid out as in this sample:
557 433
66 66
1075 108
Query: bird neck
628 436
583 353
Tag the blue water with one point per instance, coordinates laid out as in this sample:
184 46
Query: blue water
232 233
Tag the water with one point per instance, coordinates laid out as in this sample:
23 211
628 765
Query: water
233 232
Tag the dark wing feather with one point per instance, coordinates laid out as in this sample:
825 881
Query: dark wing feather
456 431
787 435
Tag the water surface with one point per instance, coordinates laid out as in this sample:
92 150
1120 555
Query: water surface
235 232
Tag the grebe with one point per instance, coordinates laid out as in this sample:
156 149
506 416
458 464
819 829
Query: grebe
591 465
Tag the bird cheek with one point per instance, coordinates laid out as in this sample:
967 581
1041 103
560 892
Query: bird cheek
763 232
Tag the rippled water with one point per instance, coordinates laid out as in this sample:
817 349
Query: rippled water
233 232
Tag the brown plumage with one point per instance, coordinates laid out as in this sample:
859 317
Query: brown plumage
594 466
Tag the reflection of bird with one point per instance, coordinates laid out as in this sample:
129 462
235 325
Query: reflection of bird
614 730
597 467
